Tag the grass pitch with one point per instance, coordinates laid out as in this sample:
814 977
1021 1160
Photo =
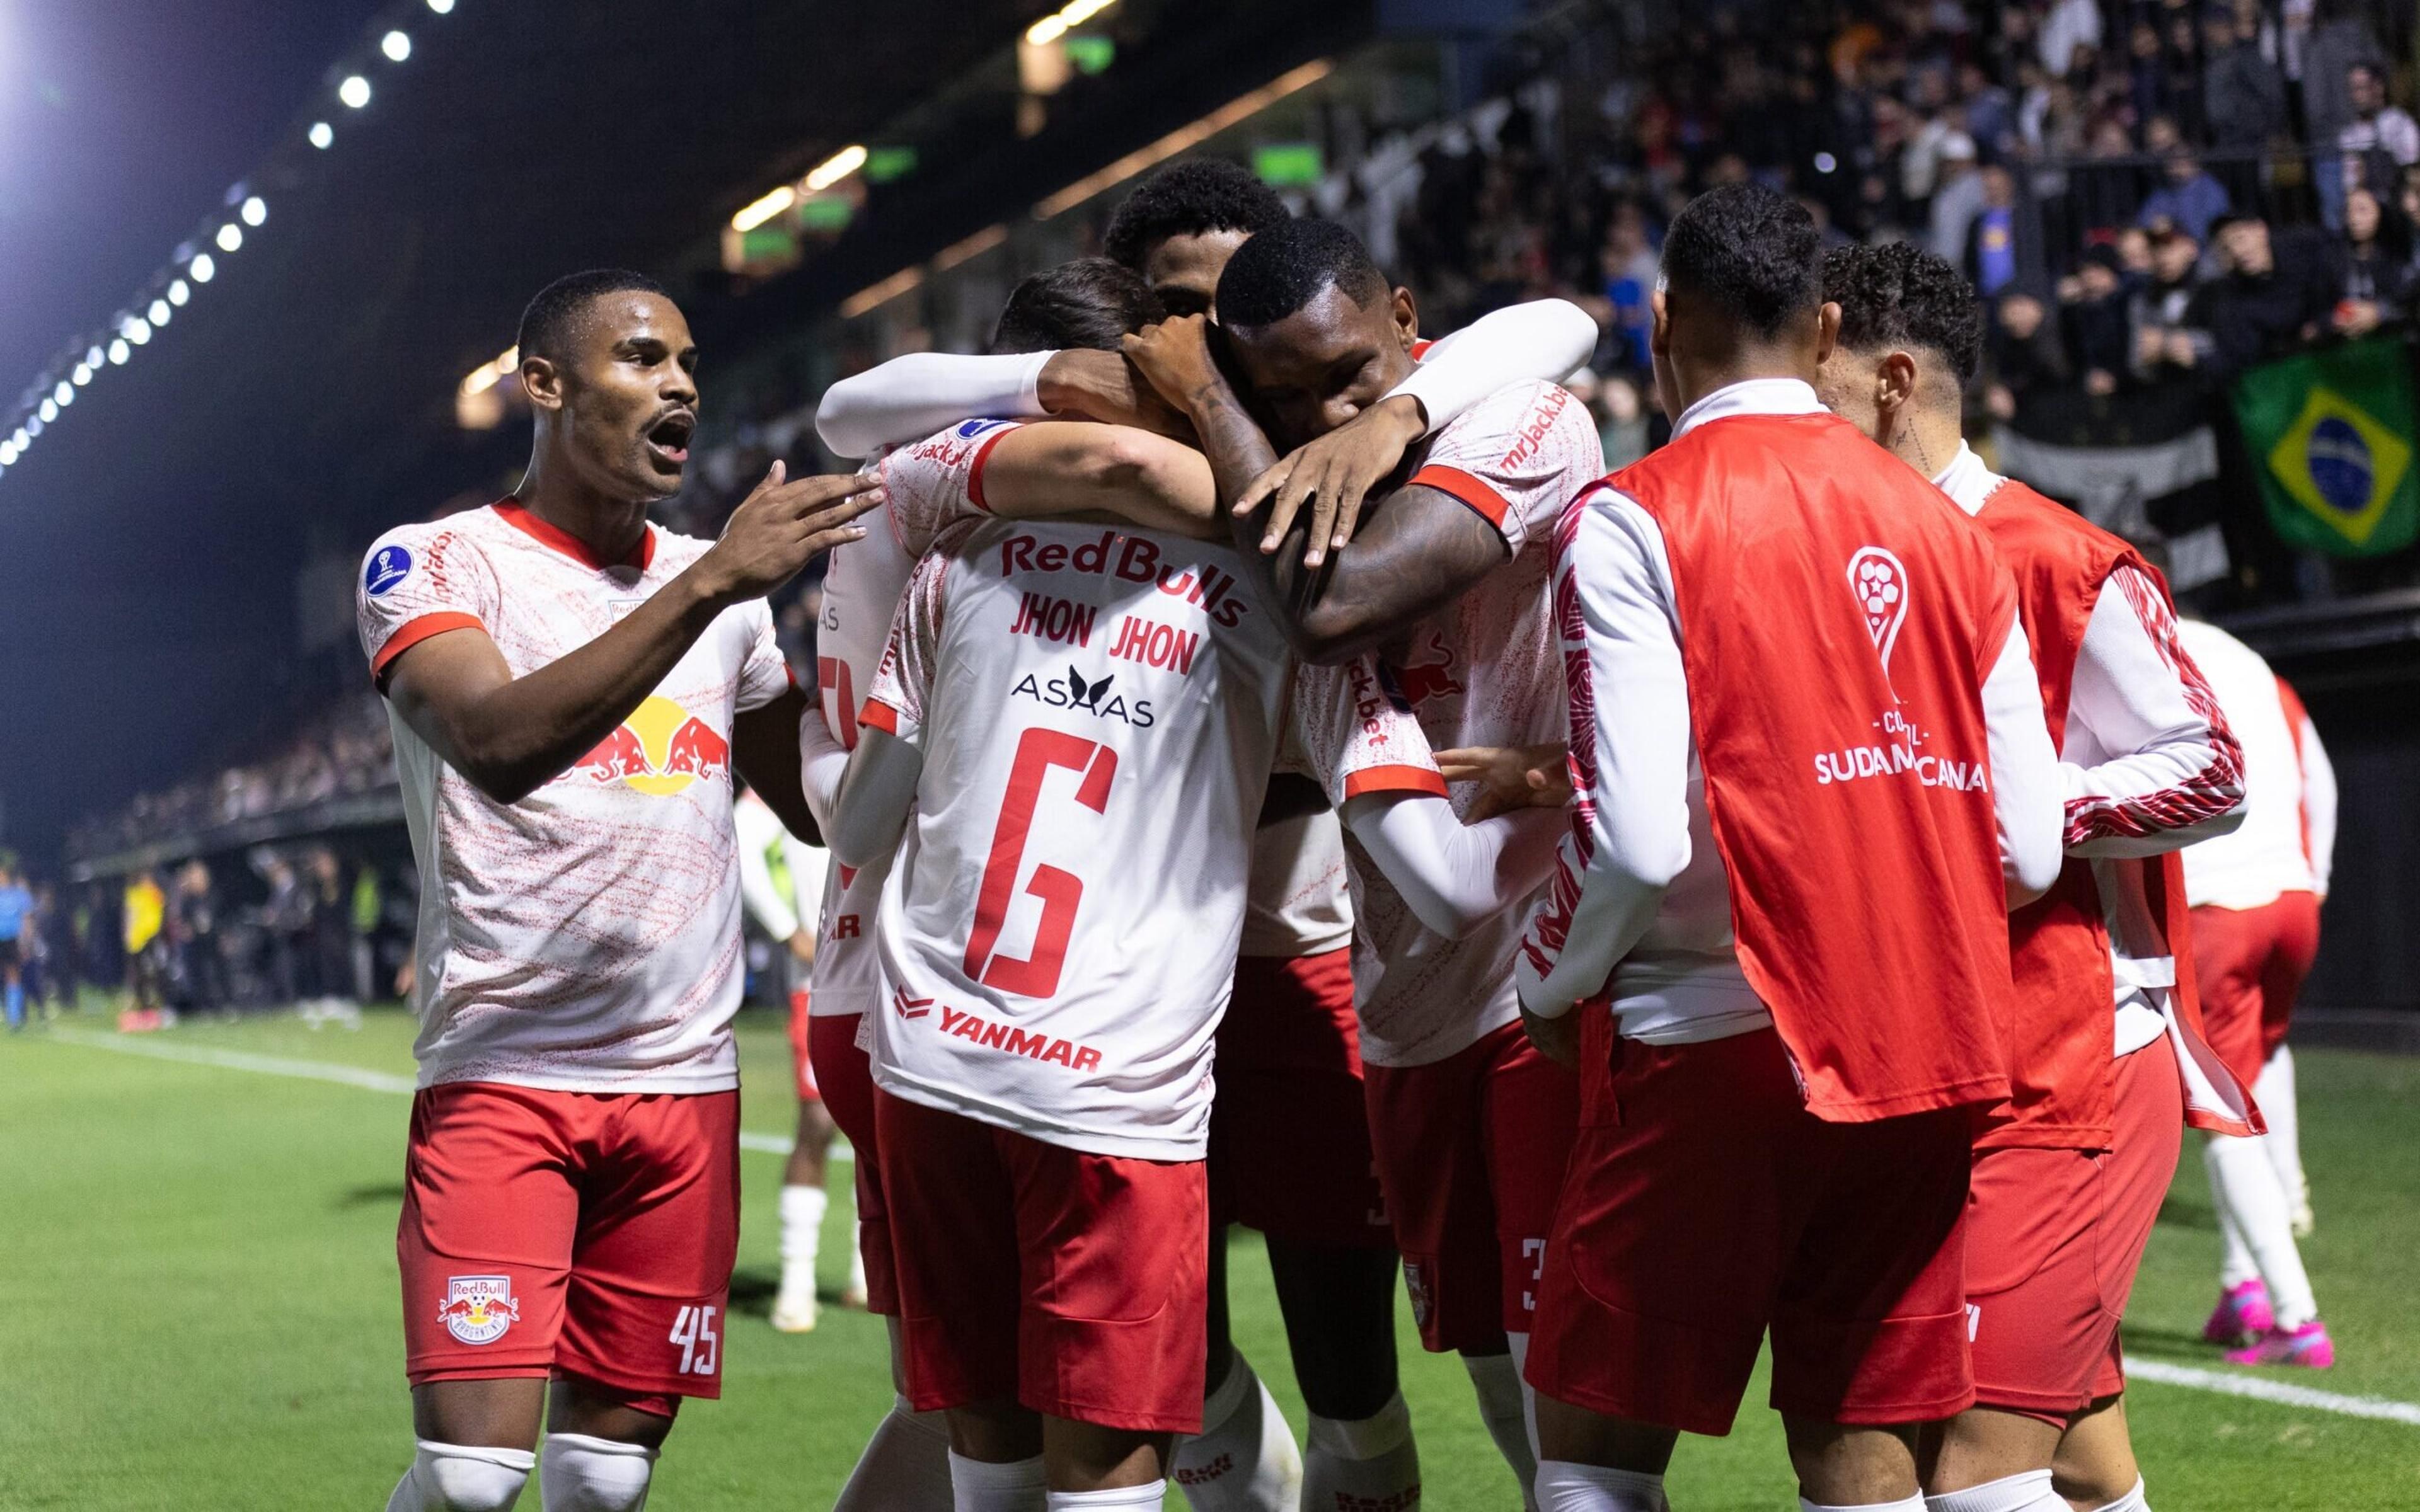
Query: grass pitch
199 1305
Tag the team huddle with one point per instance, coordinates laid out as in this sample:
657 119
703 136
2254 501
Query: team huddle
1272 775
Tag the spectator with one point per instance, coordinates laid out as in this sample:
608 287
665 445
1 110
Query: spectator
16 911
2371 266
2095 314
2336 43
2381 140
2072 27
2188 197
2163 343
192 931
286 918
329 944
1957 195
144 913
2263 304
2243 90
2023 356
368 907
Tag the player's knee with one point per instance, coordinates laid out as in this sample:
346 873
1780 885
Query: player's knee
451 1477
583 1474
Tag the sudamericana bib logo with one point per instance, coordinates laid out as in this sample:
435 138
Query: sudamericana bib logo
1880 584
478 1308
388 566
660 749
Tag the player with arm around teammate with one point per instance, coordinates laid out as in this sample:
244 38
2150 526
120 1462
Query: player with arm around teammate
571 690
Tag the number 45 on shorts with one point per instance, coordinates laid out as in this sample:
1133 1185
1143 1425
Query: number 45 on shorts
694 1331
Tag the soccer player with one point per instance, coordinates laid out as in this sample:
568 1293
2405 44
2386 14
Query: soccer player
1289 1141
2065 1191
1468 1122
1812 773
571 690
778 874
2256 898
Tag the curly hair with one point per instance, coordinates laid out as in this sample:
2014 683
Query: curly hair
1280 270
1752 252
1186 198
1901 295
548 323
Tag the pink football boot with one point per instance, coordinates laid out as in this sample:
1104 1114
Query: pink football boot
2243 1315
2307 1345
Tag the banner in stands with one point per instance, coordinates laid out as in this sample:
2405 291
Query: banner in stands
2127 462
2331 434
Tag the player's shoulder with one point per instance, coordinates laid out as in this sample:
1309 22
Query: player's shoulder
1527 426
432 547
676 552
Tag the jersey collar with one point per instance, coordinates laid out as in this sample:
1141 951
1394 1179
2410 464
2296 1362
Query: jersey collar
1967 481
1751 396
511 512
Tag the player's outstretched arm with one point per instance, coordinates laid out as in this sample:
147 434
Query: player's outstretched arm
909 398
876 794
1061 468
509 736
765 747
1454 876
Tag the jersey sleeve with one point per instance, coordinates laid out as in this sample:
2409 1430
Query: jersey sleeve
415 582
895 705
766 674
1352 732
938 482
1518 458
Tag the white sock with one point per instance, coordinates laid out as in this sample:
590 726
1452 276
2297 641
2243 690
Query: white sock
856 1259
2245 1182
2235 1263
1244 1459
454 1477
1913 1503
977 1485
2027 1492
1566 1487
906 1466
2133 1501
1520 1352
803 1226
1367 1464
2274 1093
1149 1495
578 1472
1497 1381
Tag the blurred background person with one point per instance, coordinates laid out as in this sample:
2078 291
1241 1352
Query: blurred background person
199 965
328 944
16 911
144 911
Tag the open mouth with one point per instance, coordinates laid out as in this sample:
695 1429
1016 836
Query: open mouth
668 437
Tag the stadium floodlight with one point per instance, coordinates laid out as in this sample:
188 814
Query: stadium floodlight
32 427
92 358
120 351
8 454
397 46
49 412
756 212
1067 19
159 311
1045 31
354 91
19 440
835 169
324 135
488 375
203 268
443 8
256 209
180 291
135 329
230 237
64 393
83 374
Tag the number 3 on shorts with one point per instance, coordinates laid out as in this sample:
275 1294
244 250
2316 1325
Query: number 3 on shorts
694 1331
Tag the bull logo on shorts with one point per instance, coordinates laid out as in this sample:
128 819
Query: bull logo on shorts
1416 1289
478 1308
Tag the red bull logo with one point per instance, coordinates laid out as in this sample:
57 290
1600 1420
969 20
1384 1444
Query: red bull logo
660 749
1426 680
478 1308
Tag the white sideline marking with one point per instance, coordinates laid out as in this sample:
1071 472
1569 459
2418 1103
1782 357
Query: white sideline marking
2263 1390
323 1071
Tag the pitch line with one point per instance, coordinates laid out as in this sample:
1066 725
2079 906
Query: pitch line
323 1071
2263 1389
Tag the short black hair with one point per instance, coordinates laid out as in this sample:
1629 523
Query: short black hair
1755 254
1089 302
1284 267
1901 295
1186 198
547 324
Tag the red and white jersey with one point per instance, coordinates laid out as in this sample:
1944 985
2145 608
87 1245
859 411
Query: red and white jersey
2288 838
585 938
1098 712
1484 670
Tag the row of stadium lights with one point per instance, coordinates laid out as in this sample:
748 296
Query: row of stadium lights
134 328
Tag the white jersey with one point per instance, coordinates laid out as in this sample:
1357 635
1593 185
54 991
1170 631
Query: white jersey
1098 713
2287 838
780 874
1484 670
585 938
1296 904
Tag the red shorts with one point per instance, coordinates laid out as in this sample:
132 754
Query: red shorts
570 1233
1705 1204
2250 963
802 1062
848 1082
1470 1152
1075 1282
1289 1133
2053 1238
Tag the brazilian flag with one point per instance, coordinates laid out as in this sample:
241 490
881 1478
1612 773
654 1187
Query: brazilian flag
2333 435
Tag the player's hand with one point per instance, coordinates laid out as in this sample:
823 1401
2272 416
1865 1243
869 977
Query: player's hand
802 947
1334 475
1558 1039
1175 356
1107 387
1510 777
778 529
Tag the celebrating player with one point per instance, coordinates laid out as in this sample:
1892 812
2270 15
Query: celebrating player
571 690
1468 1123
2255 898
2065 1192
1812 769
